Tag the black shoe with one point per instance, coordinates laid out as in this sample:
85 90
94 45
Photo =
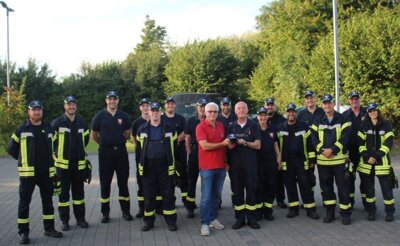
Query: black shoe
238 224
269 216
24 238
159 211
127 216
371 217
53 233
313 215
140 214
148 227
82 223
329 219
282 205
105 218
389 218
292 213
346 221
253 224
172 227
65 226
190 214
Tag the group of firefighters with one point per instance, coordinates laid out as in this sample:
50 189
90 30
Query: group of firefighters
270 153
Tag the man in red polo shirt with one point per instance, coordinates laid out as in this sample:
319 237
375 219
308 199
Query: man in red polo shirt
212 143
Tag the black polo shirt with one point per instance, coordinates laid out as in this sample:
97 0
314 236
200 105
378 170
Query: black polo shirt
269 136
136 124
243 155
307 117
111 128
190 128
276 119
227 121
178 122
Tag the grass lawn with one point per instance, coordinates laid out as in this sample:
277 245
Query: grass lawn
90 149
93 147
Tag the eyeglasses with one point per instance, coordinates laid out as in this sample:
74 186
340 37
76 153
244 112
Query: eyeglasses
212 111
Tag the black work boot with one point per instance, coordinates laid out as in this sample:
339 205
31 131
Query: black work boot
65 226
371 216
330 216
346 221
105 218
24 238
82 223
140 214
293 212
127 216
53 233
190 213
312 214
147 226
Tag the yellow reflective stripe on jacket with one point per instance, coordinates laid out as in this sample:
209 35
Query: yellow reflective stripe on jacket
158 198
140 198
336 160
284 166
15 138
311 155
123 198
362 148
24 152
169 212
172 138
78 202
384 149
48 216
23 221
362 135
345 125
190 199
82 164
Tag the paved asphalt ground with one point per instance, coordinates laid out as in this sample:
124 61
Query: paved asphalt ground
283 231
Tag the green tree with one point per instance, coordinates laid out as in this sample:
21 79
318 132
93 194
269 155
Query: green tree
204 67
12 114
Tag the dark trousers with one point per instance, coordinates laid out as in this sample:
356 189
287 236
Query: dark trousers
110 160
280 187
139 182
294 175
26 188
155 178
387 192
312 180
183 171
244 181
354 157
71 179
193 174
327 175
266 189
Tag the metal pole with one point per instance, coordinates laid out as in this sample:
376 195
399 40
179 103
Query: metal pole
8 60
336 50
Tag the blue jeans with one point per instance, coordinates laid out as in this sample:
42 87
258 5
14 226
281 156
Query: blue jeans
212 182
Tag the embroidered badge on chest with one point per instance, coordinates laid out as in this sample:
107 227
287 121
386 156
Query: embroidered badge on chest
120 121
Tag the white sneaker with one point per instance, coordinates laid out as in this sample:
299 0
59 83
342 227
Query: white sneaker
217 225
205 230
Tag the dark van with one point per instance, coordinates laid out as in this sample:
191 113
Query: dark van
186 102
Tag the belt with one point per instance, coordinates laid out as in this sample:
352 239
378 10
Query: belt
115 147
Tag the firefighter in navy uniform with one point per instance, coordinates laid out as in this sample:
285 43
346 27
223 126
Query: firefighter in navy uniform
227 117
178 121
192 152
330 136
157 149
72 136
32 146
375 141
355 114
307 116
144 107
295 145
111 129
276 119
269 162
244 167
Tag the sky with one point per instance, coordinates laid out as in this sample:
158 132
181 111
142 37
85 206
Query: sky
66 33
